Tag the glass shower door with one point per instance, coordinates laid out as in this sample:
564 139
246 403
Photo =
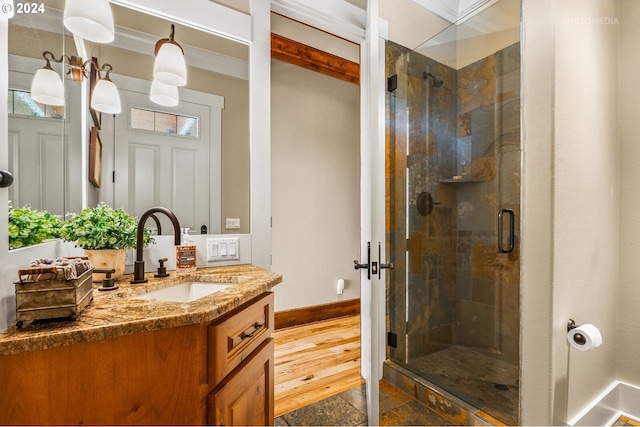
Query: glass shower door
454 161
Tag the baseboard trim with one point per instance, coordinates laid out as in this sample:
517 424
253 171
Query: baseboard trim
316 313
619 399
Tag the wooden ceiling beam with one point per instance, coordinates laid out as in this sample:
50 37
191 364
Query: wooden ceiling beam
296 53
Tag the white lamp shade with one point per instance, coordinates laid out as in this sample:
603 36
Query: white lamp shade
90 19
47 88
163 94
105 97
170 67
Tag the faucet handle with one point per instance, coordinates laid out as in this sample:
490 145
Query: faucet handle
108 283
162 270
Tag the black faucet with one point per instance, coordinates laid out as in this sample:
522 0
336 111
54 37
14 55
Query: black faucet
158 226
138 267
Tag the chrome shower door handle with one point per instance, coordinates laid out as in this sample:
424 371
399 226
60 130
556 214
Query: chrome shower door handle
512 239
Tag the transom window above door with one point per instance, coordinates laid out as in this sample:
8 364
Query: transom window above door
163 122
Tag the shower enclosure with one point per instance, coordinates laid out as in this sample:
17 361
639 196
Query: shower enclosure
453 191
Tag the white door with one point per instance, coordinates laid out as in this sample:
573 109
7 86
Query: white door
372 210
44 152
36 159
153 168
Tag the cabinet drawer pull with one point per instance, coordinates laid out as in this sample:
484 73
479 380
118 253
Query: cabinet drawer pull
257 327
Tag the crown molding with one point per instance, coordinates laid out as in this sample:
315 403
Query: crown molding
336 17
204 15
455 10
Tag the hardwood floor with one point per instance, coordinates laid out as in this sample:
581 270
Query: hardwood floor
315 361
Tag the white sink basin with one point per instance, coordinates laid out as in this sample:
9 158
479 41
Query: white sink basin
184 292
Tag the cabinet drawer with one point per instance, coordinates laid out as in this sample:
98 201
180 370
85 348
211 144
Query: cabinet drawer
232 338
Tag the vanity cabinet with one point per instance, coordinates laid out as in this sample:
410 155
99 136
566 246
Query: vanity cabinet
241 367
218 372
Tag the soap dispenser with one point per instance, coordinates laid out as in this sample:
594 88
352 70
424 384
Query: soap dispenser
185 253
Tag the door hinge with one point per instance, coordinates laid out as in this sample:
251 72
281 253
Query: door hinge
392 339
113 177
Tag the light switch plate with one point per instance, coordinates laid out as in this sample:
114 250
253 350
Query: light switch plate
232 223
223 249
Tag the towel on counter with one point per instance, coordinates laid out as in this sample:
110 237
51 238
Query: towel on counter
66 268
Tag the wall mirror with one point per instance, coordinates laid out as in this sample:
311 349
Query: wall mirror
146 160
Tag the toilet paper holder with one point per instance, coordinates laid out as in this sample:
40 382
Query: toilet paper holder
578 338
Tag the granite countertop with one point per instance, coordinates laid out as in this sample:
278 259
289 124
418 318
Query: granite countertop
116 313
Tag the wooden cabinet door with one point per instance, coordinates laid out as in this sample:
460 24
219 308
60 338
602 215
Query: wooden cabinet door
245 397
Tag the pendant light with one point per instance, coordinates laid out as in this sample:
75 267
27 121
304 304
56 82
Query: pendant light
170 67
163 94
90 19
46 86
105 97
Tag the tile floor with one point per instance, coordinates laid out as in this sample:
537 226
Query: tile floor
487 383
349 408
397 408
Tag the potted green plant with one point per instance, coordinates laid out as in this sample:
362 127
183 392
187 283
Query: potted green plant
31 226
104 233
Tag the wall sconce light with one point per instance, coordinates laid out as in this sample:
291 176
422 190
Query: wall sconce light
92 20
47 88
163 94
170 67
105 97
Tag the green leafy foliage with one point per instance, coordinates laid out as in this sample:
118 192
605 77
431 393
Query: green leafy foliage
103 227
29 227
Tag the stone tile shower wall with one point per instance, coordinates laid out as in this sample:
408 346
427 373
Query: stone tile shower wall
460 289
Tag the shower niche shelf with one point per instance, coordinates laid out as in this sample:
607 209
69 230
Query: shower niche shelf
462 181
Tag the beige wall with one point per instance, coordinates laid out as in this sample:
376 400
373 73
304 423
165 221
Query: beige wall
628 362
571 203
28 42
586 196
537 214
315 170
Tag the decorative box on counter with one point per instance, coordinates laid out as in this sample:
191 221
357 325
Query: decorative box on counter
52 289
